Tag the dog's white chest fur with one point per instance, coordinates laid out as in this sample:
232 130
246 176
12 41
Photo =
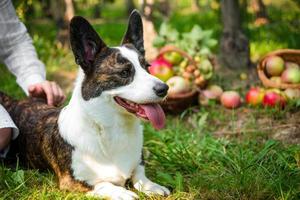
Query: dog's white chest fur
116 154
107 144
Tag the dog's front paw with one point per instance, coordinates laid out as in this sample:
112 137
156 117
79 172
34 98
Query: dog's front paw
150 188
112 192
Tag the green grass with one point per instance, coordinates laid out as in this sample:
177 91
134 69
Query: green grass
193 164
206 153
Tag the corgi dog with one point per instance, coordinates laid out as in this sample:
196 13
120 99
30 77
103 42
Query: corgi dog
94 144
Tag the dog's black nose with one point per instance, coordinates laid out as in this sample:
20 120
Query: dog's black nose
161 89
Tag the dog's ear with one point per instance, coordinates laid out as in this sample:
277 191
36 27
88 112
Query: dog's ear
85 43
134 33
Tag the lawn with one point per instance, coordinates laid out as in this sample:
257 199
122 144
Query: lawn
204 153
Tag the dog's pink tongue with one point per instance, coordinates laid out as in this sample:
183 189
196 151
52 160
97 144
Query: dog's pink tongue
155 114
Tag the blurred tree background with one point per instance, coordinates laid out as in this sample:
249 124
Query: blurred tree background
258 26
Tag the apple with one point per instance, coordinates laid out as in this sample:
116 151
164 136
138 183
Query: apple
292 93
276 79
183 63
215 90
291 65
255 96
291 75
162 69
200 81
274 65
212 92
178 84
230 99
243 76
172 57
273 98
205 66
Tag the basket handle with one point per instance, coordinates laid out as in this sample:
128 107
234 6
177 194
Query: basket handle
170 48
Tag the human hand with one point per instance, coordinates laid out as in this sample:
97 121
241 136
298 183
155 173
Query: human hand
48 90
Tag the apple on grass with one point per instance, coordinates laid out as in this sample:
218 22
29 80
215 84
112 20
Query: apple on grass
178 84
255 96
274 65
212 92
274 98
292 93
162 69
230 99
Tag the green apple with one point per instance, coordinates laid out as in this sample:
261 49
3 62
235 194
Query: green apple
291 75
172 57
178 84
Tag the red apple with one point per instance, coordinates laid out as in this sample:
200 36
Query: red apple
162 69
273 98
291 75
230 99
255 96
178 84
274 65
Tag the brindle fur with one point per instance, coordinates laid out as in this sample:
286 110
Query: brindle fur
110 71
39 144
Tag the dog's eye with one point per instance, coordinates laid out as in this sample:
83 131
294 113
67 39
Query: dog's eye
125 73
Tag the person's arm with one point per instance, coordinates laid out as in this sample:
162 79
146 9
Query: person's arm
8 131
16 49
19 55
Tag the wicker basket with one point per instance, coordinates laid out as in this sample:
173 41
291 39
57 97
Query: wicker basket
177 103
289 55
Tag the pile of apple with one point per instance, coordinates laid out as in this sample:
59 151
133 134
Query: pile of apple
229 99
179 74
280 71
271 97
255 96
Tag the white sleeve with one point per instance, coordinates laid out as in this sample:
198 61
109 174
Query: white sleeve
17 50
7 122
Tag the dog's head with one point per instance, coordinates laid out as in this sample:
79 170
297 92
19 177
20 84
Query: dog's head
119 73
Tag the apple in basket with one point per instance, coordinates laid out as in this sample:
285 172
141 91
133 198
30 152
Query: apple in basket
274 65
172 57
178 84
162 69
291 75
291 65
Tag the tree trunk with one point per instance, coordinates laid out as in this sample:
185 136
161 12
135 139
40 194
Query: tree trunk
129 6
164 7
149 30
62 12
234 45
